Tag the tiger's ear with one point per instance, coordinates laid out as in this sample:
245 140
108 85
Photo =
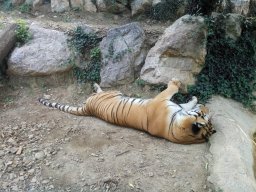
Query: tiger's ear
204 109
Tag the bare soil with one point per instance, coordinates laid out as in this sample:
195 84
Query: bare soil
42 149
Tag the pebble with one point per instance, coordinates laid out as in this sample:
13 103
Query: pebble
1 153
45 181
47 96
33 180
31 171
12 141
39 155
151 174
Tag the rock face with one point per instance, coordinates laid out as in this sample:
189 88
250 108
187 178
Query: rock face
242 7
59 5
47 53
180 52
7 42
123 53
84 5
231 167
140 6
111 6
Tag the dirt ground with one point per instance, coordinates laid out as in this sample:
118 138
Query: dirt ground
47 150
42 149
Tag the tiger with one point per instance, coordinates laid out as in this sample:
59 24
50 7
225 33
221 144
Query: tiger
185 123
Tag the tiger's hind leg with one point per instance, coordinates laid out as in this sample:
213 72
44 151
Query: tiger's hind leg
189 105
97 88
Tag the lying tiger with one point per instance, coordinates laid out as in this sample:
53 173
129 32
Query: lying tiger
180 123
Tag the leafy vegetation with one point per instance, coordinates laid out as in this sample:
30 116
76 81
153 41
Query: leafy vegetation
165 10
25 8
202 7
6 5
22 32
229 67
83 43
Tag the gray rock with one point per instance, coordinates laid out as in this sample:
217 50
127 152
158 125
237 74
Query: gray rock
233 24
47 53
179 52
39 155
231 168
17 2
7 42
123 53
140 6
37 4
111 6
59 5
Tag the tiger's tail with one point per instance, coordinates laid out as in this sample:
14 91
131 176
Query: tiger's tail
66 108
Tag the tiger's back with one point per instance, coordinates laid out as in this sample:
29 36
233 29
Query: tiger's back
118 109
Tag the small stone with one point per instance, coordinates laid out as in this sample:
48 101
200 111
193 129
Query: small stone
15 188
205 187
33 180
47 96
39 155
1 153
19 151
151 174
12 141
51 187
13 150
45 181
15 128
21 178
30 136
31 171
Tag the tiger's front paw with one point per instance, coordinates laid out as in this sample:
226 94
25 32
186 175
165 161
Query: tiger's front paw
175 82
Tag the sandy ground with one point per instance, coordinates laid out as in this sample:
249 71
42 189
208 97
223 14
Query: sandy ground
47 150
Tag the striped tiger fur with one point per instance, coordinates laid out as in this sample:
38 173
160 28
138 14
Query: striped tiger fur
180 123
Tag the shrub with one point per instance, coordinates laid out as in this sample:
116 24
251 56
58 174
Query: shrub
165 10
229 67
7 5
22 32
82 43
25 8
202 7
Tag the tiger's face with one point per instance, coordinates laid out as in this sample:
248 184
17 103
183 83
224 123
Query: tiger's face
197 126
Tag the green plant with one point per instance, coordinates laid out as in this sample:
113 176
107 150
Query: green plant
202 7
230 67
140 82
22 32
82 41
25 8
7 5
91 72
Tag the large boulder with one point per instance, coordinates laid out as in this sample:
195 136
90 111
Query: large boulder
47 53
232 148
7 42
243 7
59 5
140 6
179 52
84 5
123 53
112 6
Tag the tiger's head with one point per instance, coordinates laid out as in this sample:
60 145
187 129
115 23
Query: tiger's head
196 127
